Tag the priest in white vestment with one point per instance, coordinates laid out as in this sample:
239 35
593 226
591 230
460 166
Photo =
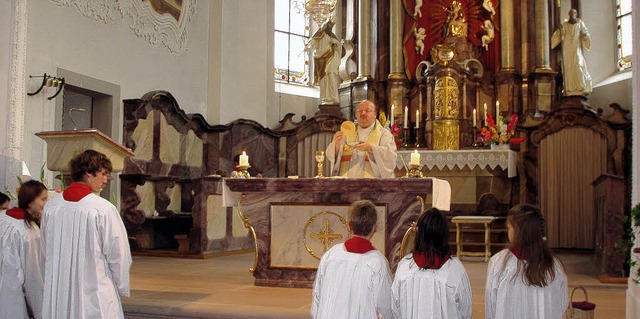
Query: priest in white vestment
514 289
430 283
21 282
85 246
374 154
353 279
575 38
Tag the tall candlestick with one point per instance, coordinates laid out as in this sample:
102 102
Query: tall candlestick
415 158
244 159
485 114
406 117
497 110
417 119
391 115
474 118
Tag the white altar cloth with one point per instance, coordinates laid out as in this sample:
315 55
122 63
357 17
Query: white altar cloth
483 158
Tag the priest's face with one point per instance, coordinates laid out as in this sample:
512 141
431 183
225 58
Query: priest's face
98 180
366 114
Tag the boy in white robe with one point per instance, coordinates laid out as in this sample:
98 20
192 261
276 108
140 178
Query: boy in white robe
429 282
85 245
353 279
515 289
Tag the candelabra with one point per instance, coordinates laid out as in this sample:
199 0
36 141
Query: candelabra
242 173
476 143
414 171
418 138
405 138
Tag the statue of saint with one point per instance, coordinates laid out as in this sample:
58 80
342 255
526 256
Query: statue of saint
455 24
574 36
326 58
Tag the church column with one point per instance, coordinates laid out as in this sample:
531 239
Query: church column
397 80
506 80
364 39
543 84
12 155
363 86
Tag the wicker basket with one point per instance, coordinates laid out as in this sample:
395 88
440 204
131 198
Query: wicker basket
581 309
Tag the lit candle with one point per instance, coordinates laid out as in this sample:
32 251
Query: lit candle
474 118
415 158
497 110
244 159
417 119
485 114
406 117
391 115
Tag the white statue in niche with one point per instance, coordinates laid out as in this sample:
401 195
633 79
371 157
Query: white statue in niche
574 36
420 35
488 38
326 50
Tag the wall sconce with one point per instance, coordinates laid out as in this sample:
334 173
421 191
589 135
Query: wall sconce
48 81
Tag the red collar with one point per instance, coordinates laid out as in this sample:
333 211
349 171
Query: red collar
424 262
16 212
76 191
358 245
517 251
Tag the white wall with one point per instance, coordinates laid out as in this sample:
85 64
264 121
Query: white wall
60 36
609 85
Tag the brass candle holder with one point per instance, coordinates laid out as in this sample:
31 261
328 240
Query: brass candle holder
242 173
405 138
320 160
414 171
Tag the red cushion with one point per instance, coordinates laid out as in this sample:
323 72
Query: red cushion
583 305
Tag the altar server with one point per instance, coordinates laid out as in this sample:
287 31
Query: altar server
525 280
353 279
429 282
373 152
85 246
20 268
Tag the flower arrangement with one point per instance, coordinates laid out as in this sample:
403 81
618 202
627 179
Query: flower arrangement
500 131
394 128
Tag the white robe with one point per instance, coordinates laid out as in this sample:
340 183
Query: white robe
431 293
87 259
382 157
21 281
351 285
506 297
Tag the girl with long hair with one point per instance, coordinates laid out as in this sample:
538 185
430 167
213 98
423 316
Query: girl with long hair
525 280
429 282
21 279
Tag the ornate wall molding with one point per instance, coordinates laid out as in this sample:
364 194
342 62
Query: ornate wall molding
146 23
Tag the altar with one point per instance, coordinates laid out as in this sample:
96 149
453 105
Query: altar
471 173
296 220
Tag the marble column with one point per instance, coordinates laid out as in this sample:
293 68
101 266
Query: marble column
544 82
506 79
542 35
364 40
507 35
397 80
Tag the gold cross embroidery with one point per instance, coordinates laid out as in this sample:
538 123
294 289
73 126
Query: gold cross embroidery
326 235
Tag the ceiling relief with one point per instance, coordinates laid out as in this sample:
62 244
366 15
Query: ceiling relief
157 21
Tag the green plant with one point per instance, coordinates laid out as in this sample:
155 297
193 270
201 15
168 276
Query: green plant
626 244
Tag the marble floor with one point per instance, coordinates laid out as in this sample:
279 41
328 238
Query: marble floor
222 287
